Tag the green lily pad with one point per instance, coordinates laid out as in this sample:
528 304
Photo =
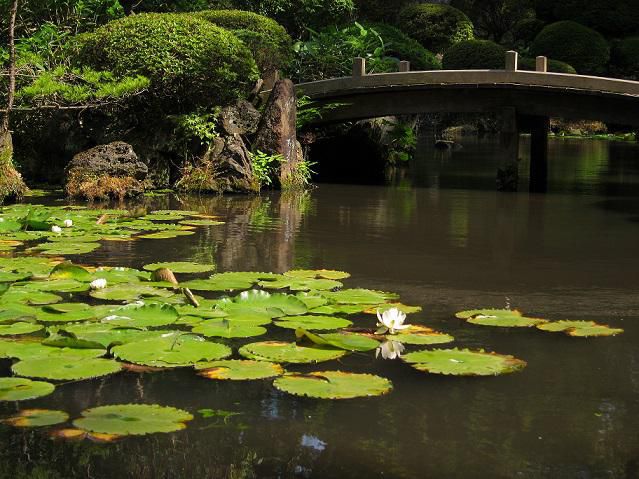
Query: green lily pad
201 222
58 285
317 273
313 322
20 389
333 385
223 328
505 318
7 277
133 419
68 270
19 328
107 335
181 267
404 308
37 418
278 304
281 352
239 370
143 315
66 307
171 350
231 281
65 369
359 296
129 292
346 341
582 329
66 249
166 234
163 217
45 316
340 309
312 300
420 335
301 284
463 362
24 349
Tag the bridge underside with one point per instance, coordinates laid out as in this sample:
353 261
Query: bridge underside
363 103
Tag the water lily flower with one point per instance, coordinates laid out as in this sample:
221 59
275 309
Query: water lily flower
390 349
391 320
99 283
56 229
68 223
1 220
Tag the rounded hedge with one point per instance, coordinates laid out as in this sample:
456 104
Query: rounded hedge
526 30
625 58
554 66
580 46
436 26
188 60
268 41
475 55
610 17
403 47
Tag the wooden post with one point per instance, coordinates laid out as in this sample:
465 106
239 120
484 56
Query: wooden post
511 60
541 64
359 67
404 66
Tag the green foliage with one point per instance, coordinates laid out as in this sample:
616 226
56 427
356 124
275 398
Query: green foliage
399 45
475 55
525 31
189 61
65 85
380 10
198 125
575 44
403 142
436 26
265 167
625 58
494 19
268 41
554 66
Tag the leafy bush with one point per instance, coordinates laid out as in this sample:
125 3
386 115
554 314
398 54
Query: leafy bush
380 10
554 66
526 30
437 27
398 44
494 19
188 60
475 55
268 41
330 53
625 58
575 44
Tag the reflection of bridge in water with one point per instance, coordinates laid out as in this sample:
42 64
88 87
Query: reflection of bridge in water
526 100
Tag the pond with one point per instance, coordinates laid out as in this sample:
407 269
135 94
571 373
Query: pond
441 238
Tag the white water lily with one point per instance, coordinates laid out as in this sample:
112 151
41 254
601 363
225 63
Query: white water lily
390 349
99 283
56 229
68 223
391 320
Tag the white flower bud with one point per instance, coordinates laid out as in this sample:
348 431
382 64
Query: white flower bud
56 229
100 283
68 223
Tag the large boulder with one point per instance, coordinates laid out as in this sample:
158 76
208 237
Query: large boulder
106 171
240 118
277 131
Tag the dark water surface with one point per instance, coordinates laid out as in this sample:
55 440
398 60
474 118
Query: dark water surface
442 239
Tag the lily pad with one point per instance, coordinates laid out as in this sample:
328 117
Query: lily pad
143 315
20 389
301 284
504 318
404 308
255 300
231 281
68 270
463 362
201 222
359 296
420 335
223 328
16 329
107 335
346 341
24 349
313 322
133 419
66 249
65 369
282 352
239 370
66 307
26 296
171 350
129 292
37 418
333 385
166 234
181 267
581 329
317 273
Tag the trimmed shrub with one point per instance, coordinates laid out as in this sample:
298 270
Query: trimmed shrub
403 47
437 27
268 41
189 61
525 31
575 44
554 66
475 55
625 58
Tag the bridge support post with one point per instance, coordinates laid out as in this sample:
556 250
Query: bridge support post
539 128
359 67
508 171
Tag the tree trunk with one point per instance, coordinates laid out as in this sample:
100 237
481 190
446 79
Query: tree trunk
12 66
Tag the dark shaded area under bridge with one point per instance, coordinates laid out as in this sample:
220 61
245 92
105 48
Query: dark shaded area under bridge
526 101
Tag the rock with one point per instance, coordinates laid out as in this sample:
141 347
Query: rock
12 186
277 131
106 171
240 118
115 159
